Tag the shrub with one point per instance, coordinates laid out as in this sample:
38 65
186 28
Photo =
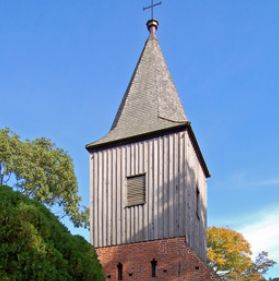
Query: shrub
34 245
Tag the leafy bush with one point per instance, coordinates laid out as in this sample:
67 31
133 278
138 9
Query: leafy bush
35 246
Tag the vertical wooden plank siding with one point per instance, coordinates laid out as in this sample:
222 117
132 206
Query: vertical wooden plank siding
119 199
145 207
192 199
132 210
100 196
203 223
160 189
123 194
150 190
108 199
165 188
114 197
128 210
136 208
171 187
105 187
182 184
95 199
172 172
155 188
141 208
91 169
176 186
188 193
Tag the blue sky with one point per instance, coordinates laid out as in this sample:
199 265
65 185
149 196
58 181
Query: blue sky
64 66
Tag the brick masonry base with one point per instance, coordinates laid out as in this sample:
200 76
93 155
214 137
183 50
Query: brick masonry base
175 261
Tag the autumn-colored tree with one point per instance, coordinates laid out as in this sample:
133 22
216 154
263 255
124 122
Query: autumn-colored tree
41 171
230 255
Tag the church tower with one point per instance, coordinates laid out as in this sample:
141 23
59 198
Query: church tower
148 182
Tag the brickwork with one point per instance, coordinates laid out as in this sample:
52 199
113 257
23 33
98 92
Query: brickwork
175 261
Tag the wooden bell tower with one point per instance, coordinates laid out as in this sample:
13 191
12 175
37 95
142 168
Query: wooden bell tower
148 182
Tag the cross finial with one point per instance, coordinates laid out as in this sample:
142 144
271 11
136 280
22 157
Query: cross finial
152 24
151 7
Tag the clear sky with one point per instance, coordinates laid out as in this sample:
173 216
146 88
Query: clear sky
64 66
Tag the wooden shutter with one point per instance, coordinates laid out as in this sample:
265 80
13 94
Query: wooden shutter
136 190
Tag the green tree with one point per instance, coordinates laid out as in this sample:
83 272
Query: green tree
35 246
41 171
229 254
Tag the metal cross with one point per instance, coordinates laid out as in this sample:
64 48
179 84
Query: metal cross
151 7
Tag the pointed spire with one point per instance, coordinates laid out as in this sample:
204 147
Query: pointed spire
151 102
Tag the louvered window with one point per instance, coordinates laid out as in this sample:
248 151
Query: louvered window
135 190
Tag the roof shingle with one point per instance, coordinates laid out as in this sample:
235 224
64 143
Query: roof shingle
151 102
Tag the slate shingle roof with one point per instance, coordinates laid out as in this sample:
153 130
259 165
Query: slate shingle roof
151 102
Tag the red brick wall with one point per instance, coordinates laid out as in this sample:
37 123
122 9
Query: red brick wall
175 261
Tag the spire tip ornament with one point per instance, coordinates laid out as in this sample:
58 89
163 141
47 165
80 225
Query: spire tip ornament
152 24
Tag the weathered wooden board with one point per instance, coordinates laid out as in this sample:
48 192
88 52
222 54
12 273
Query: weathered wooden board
172 174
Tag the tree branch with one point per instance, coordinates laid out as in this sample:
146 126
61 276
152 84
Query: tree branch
6 181
1 175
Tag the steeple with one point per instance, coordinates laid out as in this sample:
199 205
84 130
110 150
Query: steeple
148 182
151 102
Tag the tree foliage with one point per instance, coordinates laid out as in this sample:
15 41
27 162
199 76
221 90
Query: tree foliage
230 255
41 171
35 246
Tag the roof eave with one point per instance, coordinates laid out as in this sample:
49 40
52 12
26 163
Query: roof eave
94 145
186 125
